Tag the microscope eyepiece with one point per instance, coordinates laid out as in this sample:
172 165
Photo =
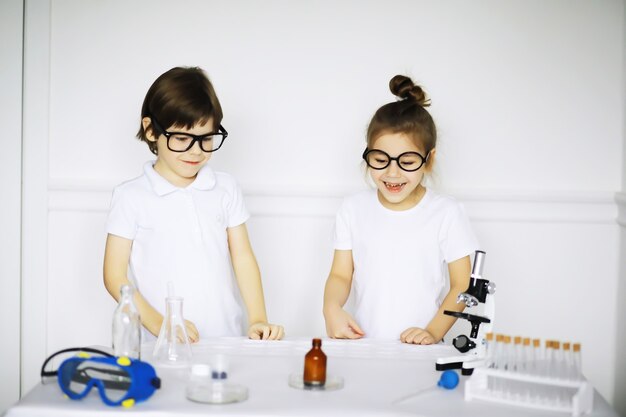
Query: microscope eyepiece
477 268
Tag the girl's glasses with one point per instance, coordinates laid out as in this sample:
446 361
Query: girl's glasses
407 161
182 142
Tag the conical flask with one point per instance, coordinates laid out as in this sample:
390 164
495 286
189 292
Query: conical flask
172 347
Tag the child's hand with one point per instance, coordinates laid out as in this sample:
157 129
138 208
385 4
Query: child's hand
192 332
341 325
265 331
417 336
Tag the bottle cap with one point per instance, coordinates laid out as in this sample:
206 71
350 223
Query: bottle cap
200 369
219 366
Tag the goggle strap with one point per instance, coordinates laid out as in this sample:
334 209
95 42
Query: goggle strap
45 373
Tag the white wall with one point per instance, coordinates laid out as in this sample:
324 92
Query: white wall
11 18
620 362
527 100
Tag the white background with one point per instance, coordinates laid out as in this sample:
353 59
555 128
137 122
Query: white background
528 97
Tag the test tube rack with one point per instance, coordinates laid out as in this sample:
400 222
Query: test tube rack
531 391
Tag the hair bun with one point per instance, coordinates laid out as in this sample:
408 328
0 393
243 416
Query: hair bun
403 87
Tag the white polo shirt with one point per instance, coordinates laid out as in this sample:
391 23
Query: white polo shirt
400 258
179 235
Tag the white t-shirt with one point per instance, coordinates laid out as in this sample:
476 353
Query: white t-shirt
400 258
179 235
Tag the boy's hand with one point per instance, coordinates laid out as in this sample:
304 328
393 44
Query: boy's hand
417 336
265 331
192 332
341 325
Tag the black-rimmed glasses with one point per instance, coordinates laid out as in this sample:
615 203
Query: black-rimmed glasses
182 142
407 161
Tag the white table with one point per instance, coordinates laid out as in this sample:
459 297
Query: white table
375 374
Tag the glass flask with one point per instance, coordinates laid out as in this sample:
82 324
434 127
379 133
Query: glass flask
126 326
172 347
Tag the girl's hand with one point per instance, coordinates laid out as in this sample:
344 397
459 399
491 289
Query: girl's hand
417 336
192 332
265 331
341 325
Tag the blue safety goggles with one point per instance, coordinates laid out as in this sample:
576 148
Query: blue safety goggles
119 380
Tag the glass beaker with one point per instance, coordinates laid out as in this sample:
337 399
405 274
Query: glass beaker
172 347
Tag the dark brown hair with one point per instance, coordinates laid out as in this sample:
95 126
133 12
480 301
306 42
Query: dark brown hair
182 96
407 115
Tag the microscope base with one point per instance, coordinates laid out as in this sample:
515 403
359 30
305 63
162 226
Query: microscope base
446 366
466 363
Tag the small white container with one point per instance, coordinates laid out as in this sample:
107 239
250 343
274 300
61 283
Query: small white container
203 388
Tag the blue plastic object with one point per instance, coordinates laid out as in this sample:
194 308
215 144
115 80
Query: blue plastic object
449 380
119 380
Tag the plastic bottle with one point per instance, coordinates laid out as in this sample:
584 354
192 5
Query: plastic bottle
315 366
126 326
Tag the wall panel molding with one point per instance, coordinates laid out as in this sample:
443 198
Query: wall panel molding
35 133
481 205
620 199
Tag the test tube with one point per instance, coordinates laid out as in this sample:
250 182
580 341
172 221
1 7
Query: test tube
518 354
497 352
548 359
489 350
557 360
568 368
561 394
527 355
537 357
498 347
489 357
577 361
506 385
507 357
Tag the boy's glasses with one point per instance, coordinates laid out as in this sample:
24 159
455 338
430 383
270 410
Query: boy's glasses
182 142
407 161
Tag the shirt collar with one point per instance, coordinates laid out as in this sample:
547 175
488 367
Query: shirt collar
205 180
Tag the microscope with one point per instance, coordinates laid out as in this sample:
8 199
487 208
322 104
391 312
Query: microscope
479 291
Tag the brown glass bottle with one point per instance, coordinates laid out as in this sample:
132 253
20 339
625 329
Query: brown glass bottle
315 366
